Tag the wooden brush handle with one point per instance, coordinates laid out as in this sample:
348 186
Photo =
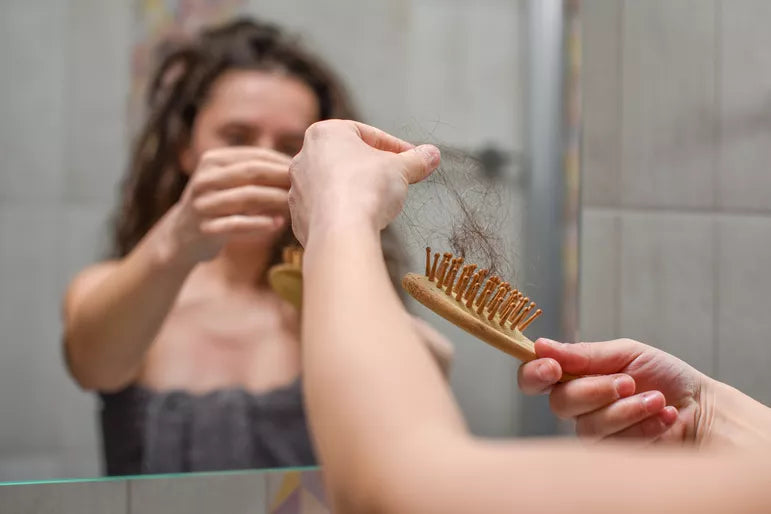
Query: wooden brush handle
509 341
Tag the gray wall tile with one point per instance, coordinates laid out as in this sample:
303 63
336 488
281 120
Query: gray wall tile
669 103
30 360
98 45
204 494
668 284
744 323
31 99
600 275
745 98
81 498
602 93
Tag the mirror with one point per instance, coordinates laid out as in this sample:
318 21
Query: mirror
466 75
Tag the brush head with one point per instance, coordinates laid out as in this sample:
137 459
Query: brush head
286 279
487 308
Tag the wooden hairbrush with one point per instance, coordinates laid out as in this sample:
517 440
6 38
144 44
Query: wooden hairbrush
487 308
286 278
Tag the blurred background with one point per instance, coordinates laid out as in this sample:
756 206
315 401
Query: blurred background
674 110
71 98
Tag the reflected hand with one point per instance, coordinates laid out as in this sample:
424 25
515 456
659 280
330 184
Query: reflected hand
632 390
234 192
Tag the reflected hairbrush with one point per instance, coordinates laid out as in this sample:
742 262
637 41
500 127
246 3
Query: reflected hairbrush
286 279
485 307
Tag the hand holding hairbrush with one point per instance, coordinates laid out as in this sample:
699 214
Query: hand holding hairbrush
487 308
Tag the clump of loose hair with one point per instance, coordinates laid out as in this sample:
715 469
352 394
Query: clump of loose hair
460 209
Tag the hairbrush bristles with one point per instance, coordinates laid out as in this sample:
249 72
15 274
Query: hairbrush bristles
486 307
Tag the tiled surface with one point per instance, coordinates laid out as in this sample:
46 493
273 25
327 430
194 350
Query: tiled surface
31 99
668 284
80 498
98 45
199 494
744 324
463 80
249 492
745 100
669 119
296 492
30 359
601 77
600 274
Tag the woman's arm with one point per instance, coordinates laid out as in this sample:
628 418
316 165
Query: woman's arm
113 311
391 439
387 430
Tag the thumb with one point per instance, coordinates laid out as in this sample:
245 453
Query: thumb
590 358
418 163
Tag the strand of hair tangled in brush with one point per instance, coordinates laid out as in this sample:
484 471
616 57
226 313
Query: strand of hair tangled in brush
458 191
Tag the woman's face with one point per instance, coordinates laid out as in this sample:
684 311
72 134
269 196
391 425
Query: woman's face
252 108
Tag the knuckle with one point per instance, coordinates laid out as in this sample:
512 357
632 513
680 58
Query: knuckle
585 428
557 404
210 157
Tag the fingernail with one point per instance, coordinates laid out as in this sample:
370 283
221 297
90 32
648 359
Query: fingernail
551 342
621 384
542 370
669 415
431 154
649 397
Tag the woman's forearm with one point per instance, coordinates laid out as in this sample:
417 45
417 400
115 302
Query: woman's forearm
111 322
731 418
372 389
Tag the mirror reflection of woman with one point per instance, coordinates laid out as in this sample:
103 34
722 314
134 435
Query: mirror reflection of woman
196 360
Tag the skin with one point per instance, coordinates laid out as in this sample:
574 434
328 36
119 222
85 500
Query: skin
388 431
189 308
641 393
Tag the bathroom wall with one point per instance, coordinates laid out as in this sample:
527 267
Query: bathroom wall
248 492
444 71
676 234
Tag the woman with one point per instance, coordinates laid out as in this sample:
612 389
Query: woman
196 359
401 446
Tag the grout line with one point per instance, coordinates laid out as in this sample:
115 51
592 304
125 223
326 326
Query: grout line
620 82
747 213
128 496
716 240
617 275
718 104
716 168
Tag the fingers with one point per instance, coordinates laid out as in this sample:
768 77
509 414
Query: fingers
538 376
419 162
380 140
649 429
590 358
619 415
584 395
243 200
239 224
241 174
233 155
